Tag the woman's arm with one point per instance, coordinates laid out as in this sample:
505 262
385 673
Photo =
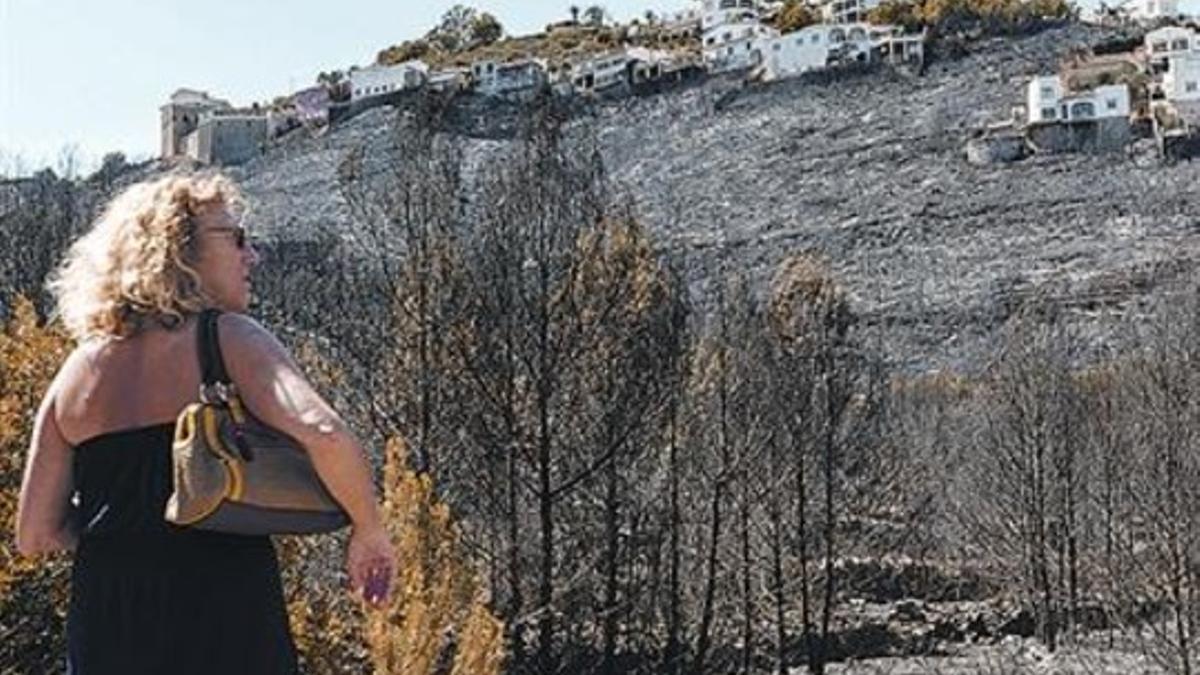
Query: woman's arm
43 506
276 392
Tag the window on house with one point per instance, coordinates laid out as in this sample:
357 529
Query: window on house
1190 87
1083 109
728 36
816 38
775 46
1048 113
1111 103
1047 92
1180 45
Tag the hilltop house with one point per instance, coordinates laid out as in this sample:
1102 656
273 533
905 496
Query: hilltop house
450 79
821 45
730 29
1049 102
597 73
811 48
1150 10
897 49
847 11
379 80
312 105
182 114
1169 41
680 25
1181 80
493 78
609 72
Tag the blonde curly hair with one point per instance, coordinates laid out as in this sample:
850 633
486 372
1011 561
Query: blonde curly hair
135 265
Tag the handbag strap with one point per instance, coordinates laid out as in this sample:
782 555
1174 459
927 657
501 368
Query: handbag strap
215 383
212 364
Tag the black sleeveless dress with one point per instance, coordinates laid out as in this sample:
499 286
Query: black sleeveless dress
150 598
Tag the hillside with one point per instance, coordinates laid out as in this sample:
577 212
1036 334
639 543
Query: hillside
869 171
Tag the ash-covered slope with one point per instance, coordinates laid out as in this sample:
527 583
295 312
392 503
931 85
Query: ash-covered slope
869 172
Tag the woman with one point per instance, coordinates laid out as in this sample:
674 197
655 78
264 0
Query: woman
147 596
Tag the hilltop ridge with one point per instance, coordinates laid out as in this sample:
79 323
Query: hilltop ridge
868 171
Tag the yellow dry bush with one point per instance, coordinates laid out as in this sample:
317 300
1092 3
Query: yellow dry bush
326 622
438 614
33 593
897 13
794 16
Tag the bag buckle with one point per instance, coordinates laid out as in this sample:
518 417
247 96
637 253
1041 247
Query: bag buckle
216 392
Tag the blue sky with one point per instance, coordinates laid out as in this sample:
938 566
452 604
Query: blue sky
92 73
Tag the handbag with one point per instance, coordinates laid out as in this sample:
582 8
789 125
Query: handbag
233 473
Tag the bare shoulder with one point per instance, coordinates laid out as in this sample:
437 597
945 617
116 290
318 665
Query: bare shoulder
65 400
247 342
235 326
80 362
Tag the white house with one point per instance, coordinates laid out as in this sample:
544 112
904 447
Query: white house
1049 102
599 72
896 48
1151 10
379 80
847 11
651 64
818 46
493 78
450 79
680 24
1169 41
729 31
1181 80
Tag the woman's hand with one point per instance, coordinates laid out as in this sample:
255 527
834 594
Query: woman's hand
370 563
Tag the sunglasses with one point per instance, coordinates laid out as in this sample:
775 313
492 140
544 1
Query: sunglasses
239 234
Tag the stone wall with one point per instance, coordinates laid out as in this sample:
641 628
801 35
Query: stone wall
1096 136
228 140
996 149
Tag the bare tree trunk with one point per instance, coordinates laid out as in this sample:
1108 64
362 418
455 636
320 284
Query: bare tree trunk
609 615
806 626
714 537
748 617
779 596
546 526
516 597
820 658
671 655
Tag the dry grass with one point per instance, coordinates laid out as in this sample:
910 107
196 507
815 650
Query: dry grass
555 47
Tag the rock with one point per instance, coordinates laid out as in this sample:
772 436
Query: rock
1000 149
908 611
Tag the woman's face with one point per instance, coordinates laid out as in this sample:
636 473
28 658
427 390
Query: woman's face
225 258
